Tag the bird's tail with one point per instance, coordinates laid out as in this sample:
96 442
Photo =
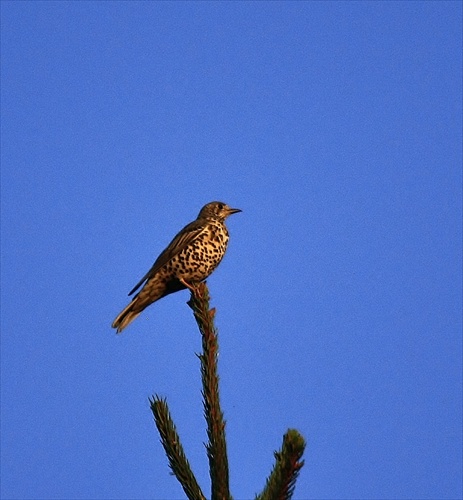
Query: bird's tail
126 316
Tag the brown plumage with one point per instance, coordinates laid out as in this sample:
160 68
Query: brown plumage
190 257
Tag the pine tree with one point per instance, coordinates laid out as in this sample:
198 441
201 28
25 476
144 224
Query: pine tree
280 483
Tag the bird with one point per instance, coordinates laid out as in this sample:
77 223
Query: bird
189 258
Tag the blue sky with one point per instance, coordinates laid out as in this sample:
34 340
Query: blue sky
337 129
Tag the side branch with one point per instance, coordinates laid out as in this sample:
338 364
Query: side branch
282 481
174 450
216 446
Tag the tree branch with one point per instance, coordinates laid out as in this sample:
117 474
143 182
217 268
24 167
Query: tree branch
216 447
282 481
174 449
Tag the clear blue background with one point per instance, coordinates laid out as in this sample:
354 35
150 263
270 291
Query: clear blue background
336 128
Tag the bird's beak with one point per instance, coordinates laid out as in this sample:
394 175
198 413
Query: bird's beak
233 211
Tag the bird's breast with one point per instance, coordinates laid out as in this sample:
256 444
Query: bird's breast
198 259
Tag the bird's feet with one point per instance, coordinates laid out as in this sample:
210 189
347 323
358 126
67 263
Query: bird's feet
187 285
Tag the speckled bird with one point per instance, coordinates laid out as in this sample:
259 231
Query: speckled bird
189 258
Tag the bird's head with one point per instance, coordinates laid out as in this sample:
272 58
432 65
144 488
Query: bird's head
217 210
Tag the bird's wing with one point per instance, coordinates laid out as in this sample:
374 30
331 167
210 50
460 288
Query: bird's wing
184 238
